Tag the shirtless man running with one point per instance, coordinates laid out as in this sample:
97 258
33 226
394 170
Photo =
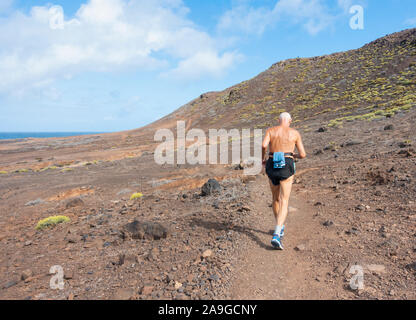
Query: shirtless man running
280 168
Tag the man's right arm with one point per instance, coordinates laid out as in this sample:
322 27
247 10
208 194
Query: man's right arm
300 147
265 145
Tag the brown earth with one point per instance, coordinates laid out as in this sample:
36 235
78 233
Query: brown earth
353 202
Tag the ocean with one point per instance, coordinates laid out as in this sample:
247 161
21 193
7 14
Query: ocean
21 135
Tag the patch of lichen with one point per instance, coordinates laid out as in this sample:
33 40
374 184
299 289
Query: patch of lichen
376 114
364 84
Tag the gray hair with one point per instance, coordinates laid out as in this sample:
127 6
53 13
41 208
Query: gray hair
285 116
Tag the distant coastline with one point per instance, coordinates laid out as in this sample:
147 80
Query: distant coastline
23 135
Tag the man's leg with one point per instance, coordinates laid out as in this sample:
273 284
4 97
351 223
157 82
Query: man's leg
284 194
278 231
275 198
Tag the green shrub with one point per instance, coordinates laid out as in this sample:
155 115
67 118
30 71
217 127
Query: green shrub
51 221
136 195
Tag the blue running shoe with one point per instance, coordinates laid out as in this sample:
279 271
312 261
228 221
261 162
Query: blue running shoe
277 242
282 233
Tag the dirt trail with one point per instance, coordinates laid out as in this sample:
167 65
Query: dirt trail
265 273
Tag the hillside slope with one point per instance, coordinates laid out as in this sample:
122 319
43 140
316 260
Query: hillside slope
374 81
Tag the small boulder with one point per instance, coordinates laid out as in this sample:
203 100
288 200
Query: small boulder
359 207
407 152
144 230
68 275
330 147
210 187
405 144
207 253
74 202
328 223
240 166
411 266
353 230
26 274
318 152
9 284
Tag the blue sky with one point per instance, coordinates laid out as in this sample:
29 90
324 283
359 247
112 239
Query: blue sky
112 65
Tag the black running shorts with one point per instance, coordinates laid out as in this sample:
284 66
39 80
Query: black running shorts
278 174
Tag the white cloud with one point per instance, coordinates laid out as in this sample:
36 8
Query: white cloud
247 19
313 15
208 62
345 4
104 35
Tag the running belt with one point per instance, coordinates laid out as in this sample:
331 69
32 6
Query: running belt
279 160
287 154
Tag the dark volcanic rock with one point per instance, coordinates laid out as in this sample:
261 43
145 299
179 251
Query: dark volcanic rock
353 230
144 230
9 284
317 152
330 147
328 223
210 187
405 144
411 266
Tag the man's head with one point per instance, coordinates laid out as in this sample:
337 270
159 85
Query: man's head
285 119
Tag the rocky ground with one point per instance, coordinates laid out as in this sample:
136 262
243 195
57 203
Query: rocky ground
352 204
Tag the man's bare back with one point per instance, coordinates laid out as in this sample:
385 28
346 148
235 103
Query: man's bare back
284 139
